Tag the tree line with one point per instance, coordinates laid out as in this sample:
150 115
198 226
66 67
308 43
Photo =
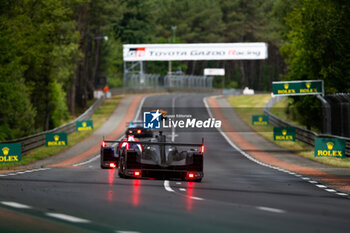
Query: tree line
55 53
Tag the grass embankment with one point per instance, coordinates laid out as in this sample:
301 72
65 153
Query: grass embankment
99 117
246 106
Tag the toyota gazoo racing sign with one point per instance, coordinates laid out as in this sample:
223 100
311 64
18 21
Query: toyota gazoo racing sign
181 52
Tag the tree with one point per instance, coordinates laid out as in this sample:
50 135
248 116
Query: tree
316 47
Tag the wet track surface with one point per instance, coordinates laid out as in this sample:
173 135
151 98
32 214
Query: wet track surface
236 195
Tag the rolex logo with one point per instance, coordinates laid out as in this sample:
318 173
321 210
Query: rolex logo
260 118
56 137
284 132
5 150
330 145
286 85
308 85
84 124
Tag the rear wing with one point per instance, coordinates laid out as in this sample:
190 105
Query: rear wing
134 123
158 143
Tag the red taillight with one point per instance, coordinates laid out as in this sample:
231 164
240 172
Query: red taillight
112 165
190 175
103 143
137 173
202 149
139 131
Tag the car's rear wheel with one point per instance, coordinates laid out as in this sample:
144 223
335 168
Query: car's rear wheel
121 168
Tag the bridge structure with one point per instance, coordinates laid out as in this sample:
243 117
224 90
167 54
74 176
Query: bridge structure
134 56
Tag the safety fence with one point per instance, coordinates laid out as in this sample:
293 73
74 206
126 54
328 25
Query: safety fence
37 140
303 135
173 81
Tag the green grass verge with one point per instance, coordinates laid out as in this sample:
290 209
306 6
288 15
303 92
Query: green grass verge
246 106
99 117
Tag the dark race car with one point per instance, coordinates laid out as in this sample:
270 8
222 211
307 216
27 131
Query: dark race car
136 128
159 159
110 152
108 156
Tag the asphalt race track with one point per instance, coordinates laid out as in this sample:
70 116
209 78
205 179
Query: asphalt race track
236 195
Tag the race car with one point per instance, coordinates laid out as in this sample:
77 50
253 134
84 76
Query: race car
110 153
108 156
136 128
157 158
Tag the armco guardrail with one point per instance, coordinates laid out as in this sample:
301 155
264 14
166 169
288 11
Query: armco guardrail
123 91
34 141
304 135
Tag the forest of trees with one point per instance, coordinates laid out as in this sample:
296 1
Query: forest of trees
55 53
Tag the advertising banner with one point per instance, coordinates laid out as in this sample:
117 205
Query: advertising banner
306 87
284 133
56 139
84 126
10 152
213 72
260 120
330 147
183 52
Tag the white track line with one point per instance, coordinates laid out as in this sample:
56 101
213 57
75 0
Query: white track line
25 171
197 198
167 186
87 161
67 218
273 210
139 108
343 194
264 164
15 205
127 232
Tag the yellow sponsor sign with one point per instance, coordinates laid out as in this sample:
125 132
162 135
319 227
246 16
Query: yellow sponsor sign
56 143
84 128
333 153
11 158
284 138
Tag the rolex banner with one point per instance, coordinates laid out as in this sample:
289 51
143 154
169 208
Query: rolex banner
84 126
330 147
10 152
260 120
302 87
284 133
56 139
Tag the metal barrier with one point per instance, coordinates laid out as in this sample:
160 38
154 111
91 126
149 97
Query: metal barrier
340 114
123 91
173 81
37 140
303 135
